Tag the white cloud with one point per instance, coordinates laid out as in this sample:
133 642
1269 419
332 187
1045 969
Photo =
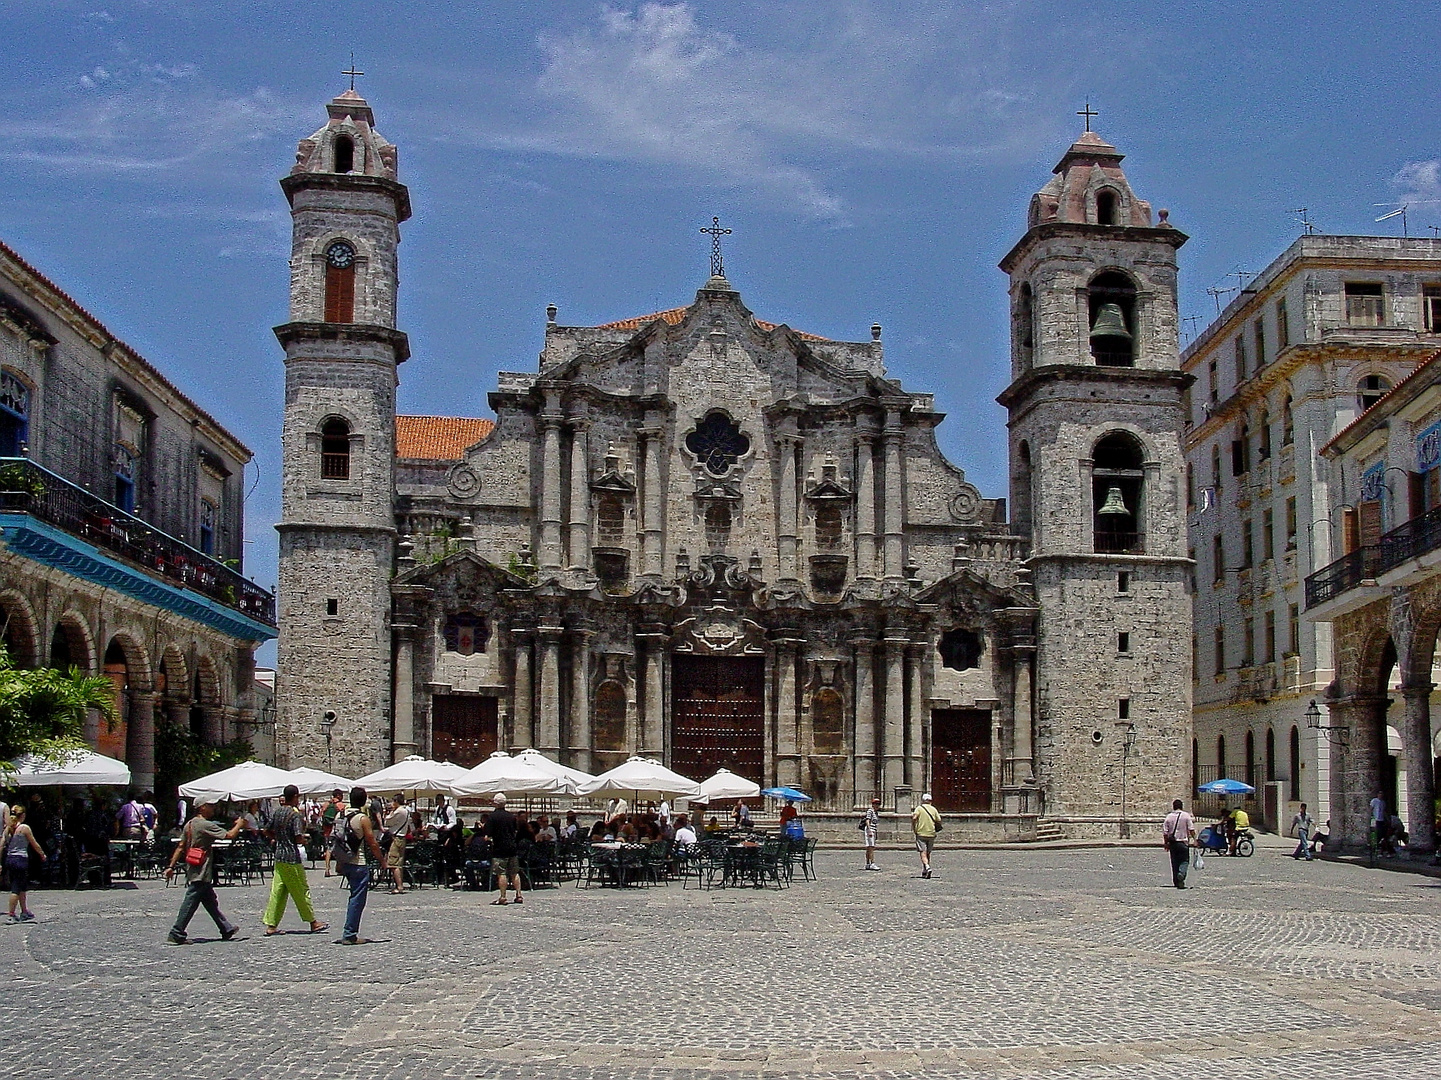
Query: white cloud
653 85
1418 182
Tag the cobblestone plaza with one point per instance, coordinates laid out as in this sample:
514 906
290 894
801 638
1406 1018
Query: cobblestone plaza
1044 963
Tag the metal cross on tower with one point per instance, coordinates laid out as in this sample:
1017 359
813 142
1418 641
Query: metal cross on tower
352 72
1088 112
715 232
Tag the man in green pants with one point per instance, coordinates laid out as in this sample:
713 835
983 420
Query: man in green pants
287 826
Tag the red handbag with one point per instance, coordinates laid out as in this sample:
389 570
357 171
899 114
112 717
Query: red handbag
194 856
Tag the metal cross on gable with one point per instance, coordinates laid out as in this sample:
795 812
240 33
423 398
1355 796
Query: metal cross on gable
1088 112
352 72
715 232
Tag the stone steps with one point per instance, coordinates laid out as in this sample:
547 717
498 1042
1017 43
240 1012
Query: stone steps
1047 831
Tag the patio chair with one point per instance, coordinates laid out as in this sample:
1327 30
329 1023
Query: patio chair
808 858
773 862
656 866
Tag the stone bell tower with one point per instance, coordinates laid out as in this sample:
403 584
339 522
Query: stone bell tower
1095 423
337 529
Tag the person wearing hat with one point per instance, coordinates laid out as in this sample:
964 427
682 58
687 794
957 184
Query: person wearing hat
504 832
925 821
199 837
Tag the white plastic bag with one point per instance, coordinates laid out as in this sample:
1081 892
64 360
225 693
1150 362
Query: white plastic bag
1200 859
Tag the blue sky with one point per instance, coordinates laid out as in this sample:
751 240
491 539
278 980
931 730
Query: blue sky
874 159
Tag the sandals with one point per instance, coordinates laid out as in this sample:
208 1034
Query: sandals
272 931
519 899
498 903
319 927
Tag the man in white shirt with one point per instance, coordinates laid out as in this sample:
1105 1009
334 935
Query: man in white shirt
1176 835
684 834
1378 816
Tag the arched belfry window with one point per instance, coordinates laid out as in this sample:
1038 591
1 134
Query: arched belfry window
1112 297
1026 325
717 443
1106 206
340 282
344 154
335 449
1117 482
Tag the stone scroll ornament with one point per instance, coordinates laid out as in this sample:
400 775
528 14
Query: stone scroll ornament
966 504
463 481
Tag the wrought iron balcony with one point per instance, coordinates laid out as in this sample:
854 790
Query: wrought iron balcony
30 489
1416 537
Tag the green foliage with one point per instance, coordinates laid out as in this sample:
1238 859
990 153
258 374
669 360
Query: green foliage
525 571
20 478
42 711
182 756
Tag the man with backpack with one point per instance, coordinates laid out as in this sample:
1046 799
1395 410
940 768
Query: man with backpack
352 830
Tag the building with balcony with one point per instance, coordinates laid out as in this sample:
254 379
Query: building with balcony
1381 601
120 527
1314 340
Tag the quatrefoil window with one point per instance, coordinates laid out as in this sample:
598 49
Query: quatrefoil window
717 443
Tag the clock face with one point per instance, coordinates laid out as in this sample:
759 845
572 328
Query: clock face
340 255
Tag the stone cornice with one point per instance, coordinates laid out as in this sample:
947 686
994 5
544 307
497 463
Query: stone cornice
328 331
1090 234
349 182
1026 385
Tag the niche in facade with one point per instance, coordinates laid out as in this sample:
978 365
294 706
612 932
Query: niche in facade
466 633
961 649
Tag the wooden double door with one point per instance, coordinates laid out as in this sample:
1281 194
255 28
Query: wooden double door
961 760
463 728
718 718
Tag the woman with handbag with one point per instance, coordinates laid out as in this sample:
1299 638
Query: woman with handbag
19 843
196 847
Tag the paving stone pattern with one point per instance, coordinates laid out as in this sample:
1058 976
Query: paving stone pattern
1052 964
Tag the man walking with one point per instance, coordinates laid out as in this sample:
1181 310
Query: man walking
287 827
925 821
1176 835
503 830
1302 825
196 847
448 836
871 827
333 809
353 829
397 828
1378 817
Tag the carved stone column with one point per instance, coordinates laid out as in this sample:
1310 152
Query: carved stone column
403 742
788 446
787 743
550 486
547 723
894 730
580 493
522 693
865 746
140 739
580 738
1355 767
916 722
652 503
652 641
1420 774
865 508
1022 767
895 550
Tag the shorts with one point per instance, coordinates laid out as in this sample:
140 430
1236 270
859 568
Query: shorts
871 837
926 844
397 851
506 865
19 876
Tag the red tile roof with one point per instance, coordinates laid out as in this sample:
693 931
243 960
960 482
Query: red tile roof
438 438
675 315
1423 370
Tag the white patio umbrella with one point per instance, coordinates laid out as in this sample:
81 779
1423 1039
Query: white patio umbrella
555 768
641 779
248 780
726 785
79 769
509 776
318 781
414 774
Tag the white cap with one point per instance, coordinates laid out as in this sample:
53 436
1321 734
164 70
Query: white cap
926 797
498 798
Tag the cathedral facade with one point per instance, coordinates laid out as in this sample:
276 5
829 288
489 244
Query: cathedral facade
709 539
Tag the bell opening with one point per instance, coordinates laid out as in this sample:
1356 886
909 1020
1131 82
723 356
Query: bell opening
1112 298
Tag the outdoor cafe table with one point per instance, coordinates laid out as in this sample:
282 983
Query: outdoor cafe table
123 852
609 856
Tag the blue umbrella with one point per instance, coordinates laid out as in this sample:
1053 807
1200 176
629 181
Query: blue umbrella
1226 786
786 793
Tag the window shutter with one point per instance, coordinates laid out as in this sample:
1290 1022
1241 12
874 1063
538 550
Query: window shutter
1370 518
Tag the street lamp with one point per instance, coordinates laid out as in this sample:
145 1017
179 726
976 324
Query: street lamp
1341 732
327 722
1128 740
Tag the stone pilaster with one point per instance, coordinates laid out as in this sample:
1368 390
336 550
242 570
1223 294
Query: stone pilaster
865 746
547 723
403 741
916 722
579 739
788 446
652 503
1022 769
550 486
522 694
580 493
893 741
652 641
1420 773
895 548
865 510
787 744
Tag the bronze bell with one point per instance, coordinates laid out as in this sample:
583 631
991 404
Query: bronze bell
1114 504
1110 323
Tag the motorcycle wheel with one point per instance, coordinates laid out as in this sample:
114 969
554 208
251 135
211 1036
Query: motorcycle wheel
1246 848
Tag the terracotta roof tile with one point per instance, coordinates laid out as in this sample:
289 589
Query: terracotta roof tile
438 438
674 316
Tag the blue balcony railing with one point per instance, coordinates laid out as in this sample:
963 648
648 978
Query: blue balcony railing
28 488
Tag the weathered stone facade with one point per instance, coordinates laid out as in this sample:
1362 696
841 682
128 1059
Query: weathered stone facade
700 536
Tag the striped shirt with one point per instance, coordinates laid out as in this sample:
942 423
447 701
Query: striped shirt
286 826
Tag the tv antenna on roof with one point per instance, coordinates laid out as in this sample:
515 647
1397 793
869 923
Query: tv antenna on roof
1400 211
1306 222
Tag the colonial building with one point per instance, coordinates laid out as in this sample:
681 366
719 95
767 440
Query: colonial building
121 523
1313 340
703 537
1382 601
